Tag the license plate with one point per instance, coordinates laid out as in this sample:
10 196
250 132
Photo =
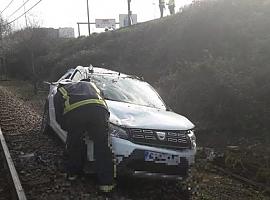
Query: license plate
165 158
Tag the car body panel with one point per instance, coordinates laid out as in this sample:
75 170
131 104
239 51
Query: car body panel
53 123
134 116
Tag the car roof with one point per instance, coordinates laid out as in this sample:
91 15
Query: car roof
105 72
99 70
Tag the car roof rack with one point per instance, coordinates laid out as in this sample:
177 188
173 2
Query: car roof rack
111 72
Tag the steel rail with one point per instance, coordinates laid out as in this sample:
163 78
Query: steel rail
16 184
242 179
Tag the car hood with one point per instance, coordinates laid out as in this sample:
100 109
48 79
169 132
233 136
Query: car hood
136 116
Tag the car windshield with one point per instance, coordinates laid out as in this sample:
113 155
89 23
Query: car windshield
129 90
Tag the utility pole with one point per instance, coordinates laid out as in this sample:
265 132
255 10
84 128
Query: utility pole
88 17
129 13
79 31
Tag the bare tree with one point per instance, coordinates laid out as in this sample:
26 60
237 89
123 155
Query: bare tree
4 30
31 40
26 46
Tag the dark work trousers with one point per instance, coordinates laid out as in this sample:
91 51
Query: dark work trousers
92 119
161 7
171 8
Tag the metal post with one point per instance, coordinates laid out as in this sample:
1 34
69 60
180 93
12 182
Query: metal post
88 18
79 31
129 13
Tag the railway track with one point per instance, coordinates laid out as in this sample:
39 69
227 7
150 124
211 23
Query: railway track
15 190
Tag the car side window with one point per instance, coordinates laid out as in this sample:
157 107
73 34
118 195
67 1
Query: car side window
66 76
77 76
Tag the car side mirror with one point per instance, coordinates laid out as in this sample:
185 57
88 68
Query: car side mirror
62 82
46 83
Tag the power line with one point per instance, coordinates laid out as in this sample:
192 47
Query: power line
18 9
6 6
24 12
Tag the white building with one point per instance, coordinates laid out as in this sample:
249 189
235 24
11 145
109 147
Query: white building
67 32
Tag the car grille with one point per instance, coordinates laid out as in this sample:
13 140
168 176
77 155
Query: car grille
161 138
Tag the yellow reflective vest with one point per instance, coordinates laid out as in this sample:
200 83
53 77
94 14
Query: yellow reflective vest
79 94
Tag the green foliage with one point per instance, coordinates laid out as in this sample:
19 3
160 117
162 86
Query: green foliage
24 55
4 28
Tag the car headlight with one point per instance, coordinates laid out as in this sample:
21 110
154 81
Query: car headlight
118 132
192 138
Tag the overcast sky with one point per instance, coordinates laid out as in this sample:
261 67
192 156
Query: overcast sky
66 13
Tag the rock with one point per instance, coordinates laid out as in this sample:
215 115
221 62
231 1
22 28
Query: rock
27 156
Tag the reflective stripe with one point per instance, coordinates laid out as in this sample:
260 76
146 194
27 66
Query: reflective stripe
97 90
95 87
63 91
65 96
69 107
106 188
84 102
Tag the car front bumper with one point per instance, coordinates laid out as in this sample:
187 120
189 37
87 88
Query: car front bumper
131 160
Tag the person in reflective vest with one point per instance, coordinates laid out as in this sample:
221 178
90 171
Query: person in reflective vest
171 6
84 110
161 7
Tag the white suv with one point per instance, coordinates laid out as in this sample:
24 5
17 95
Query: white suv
148 140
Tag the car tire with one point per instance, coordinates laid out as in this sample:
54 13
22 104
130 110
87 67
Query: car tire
45 127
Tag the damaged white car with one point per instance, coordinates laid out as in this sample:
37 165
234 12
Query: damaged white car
148 139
